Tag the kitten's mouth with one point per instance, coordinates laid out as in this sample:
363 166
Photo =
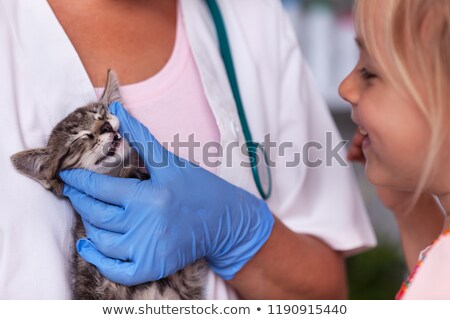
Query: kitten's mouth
112 148
117 141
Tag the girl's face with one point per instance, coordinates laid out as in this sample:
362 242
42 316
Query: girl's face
396 133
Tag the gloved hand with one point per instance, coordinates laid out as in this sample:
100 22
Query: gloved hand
140 231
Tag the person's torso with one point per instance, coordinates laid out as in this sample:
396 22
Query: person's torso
39 88
42 79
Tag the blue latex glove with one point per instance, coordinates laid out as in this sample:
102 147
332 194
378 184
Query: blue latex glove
140 231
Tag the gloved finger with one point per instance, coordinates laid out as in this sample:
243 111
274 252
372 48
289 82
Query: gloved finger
115 270
139 137
105 188
107 242
97 213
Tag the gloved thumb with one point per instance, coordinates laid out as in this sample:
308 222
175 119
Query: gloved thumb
140 138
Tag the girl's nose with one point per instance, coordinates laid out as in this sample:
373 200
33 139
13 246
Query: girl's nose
348 89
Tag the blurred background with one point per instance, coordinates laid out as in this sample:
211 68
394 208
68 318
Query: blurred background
326 36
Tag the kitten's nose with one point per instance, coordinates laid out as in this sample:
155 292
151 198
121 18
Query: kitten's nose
106 128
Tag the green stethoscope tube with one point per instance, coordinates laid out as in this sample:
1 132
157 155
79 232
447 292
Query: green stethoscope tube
264 187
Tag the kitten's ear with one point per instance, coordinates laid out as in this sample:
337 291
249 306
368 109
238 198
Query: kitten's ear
32 164
111 93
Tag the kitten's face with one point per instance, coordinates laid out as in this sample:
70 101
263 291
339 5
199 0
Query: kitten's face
87 138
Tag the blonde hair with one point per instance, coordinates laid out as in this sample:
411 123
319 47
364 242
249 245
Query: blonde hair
414 40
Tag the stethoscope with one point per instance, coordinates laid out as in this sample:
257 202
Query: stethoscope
256 152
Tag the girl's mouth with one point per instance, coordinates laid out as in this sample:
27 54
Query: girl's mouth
366 141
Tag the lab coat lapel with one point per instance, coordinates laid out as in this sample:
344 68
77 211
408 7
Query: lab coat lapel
204 45
58 76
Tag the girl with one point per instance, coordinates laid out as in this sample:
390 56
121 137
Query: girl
400 101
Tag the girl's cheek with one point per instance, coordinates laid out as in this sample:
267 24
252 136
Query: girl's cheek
367 116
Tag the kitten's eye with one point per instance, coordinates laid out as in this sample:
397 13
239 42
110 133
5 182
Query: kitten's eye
103 111
90 136
106 128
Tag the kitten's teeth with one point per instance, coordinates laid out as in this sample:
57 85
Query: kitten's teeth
119 135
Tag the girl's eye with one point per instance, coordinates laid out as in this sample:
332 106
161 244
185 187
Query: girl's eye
366 74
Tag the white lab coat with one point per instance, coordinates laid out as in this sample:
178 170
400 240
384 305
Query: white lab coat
42 80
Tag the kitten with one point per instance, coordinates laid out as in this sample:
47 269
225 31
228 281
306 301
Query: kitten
88 138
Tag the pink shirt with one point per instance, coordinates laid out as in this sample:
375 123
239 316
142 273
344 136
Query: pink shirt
431 279
172 104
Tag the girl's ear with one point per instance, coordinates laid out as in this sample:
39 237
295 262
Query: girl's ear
32 163
111 92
